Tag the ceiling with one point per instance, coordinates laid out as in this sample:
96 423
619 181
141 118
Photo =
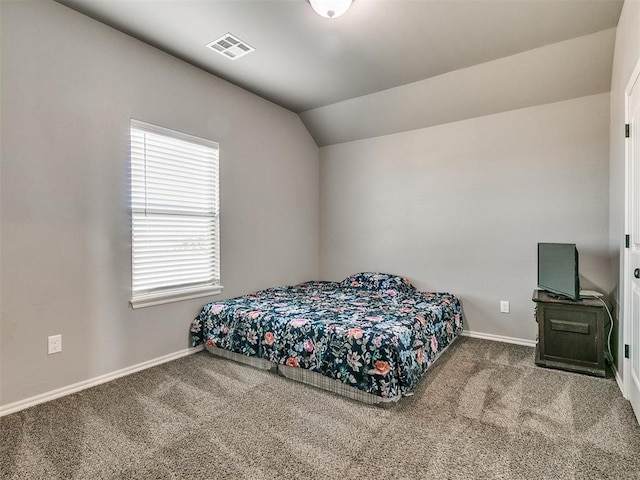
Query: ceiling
303 61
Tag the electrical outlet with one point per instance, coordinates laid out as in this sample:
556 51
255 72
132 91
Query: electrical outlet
504 306
55 344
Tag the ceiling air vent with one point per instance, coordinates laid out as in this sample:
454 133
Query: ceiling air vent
230 46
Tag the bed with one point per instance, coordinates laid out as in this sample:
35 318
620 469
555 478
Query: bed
370 337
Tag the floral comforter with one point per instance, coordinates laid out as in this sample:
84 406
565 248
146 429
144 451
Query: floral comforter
380 341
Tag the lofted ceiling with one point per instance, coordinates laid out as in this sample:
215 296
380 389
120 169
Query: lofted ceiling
304 62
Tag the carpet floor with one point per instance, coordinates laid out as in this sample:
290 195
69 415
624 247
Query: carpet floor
484 410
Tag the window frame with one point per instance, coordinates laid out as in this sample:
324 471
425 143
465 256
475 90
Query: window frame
175 293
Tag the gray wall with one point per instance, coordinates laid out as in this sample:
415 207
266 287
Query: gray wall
456 207
69 86
626 55
460 207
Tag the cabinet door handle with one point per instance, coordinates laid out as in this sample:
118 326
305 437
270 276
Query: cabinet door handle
636 273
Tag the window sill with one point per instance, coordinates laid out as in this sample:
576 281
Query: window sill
150 300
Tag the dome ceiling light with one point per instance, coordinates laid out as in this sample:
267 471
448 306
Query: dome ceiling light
330 8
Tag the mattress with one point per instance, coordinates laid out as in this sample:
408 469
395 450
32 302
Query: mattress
370 337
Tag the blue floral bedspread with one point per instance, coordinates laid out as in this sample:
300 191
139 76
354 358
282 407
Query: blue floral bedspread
373 335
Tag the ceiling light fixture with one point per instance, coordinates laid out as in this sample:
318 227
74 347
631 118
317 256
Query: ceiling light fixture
330 8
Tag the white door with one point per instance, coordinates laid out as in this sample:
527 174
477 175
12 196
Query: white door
632 336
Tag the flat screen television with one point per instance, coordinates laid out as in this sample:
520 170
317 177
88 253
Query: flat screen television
558 269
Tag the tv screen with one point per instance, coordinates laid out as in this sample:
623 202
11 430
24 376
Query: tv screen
558 269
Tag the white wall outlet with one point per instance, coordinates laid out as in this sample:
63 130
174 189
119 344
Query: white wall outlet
55 344
504 306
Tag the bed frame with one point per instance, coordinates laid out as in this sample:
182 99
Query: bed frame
314 379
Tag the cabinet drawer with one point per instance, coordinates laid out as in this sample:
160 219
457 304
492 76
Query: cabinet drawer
571 334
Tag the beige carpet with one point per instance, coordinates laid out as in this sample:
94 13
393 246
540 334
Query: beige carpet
483 411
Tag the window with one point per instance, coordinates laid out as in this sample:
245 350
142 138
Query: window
175 252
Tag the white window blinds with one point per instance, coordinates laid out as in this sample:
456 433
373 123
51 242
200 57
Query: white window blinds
175 216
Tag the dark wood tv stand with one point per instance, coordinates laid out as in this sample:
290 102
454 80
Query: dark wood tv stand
570 334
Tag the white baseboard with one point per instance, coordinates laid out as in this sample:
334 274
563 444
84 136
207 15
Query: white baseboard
619 380
61 392
92 382
499 338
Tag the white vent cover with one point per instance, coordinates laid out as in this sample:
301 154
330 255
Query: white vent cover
230 46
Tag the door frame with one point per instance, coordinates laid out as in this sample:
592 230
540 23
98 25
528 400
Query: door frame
626 270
